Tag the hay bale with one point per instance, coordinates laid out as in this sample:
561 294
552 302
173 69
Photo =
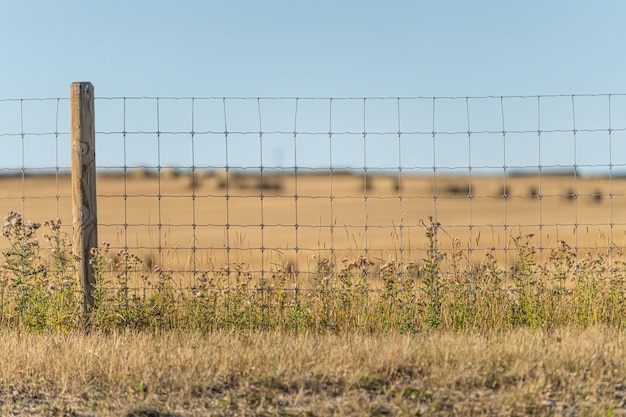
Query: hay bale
387 184
267 182
569 195
189 181
168 173
222 179
596 196
361 182
204 173
454 188
501 191
270 182
139 172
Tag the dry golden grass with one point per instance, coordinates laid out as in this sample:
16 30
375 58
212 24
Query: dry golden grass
521 372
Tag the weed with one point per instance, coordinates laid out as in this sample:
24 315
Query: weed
447 290
37 293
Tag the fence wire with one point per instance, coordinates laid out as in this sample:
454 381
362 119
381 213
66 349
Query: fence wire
306 187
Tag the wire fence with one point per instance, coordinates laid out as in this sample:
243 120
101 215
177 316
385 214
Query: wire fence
262 186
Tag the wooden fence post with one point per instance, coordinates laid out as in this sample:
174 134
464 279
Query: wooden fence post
84 207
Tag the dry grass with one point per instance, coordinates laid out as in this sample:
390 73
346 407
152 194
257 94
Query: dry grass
521 372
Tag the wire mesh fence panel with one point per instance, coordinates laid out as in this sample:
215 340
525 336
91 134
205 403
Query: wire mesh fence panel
35 157
232 189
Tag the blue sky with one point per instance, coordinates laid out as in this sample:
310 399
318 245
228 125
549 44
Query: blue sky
310 49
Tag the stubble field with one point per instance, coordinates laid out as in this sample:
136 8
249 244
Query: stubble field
216 219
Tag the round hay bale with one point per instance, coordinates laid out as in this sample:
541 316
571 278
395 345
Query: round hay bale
569 194
501 191
139 172
270 183
596 196
454 189
363 182
168 173
533 191
387 184
189 181
204 173
222 179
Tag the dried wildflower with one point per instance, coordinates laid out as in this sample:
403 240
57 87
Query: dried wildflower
53 225
16 221
13 217
29 228
32 243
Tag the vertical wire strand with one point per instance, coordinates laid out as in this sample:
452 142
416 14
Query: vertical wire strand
159 195
23 172
539 166
227 196
194 237
505 191
23 161
331 196
125 171
574 136
125 197
400 198
610 134
435 243
261 193
365 182
295 203
434 134
264 294
56 160
470 197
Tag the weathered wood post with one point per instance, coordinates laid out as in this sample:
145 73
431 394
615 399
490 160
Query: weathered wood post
84 207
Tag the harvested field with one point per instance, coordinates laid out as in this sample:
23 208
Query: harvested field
187 217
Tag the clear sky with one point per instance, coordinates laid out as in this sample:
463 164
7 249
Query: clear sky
312 48
323 48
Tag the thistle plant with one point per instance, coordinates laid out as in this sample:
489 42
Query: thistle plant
40 292
431 266
22 259
23 270
64 306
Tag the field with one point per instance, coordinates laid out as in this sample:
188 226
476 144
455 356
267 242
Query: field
406 316
188 218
